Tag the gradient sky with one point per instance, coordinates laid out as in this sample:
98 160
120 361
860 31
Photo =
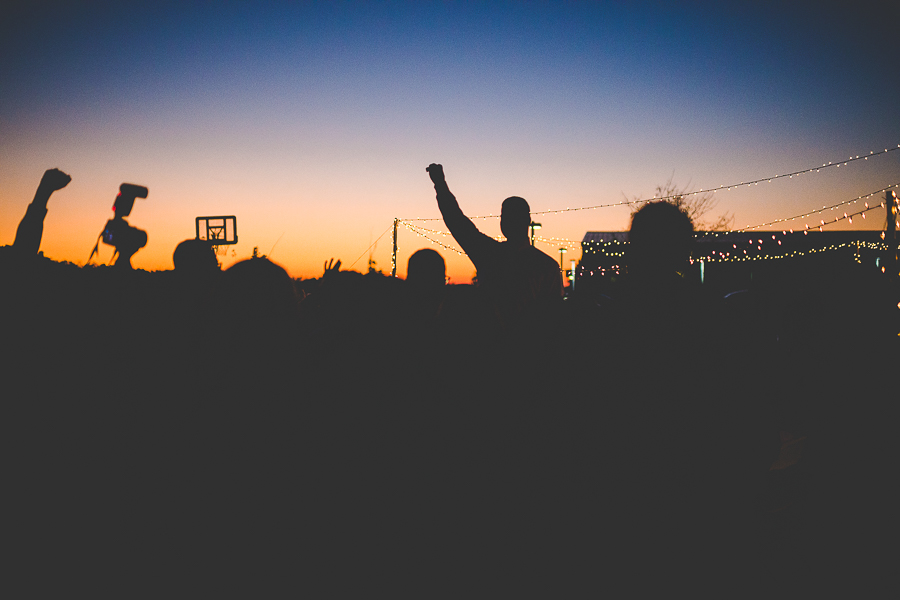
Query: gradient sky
313 122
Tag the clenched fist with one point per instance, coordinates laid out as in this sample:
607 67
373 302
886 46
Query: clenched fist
53 180
437 173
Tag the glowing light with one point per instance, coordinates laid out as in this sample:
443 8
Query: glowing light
710 190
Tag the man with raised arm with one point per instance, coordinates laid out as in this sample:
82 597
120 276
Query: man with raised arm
519 279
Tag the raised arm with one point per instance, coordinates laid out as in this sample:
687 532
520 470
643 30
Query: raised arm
462 228
31 227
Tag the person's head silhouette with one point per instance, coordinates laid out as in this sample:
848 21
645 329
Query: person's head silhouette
195 257
426 269
660 240
260 300
515 217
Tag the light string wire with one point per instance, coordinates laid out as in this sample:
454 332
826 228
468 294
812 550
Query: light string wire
425 229
700 191
370 247
543 212
822 223
419 232
782 176
723 258
729 257
821 210
711 258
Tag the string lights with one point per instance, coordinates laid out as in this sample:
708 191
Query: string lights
615 248
739 256
423 230
822 224
823 209
720 188
558 241
744 256
420 233
788 175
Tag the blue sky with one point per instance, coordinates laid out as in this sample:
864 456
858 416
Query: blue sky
313 122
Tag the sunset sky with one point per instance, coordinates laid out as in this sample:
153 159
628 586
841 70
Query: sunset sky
313 123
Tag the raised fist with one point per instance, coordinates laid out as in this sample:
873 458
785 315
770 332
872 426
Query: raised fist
437 173
54 179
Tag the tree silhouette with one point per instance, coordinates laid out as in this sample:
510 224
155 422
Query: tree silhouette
696 205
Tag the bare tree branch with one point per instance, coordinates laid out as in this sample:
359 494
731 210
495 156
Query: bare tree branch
695 205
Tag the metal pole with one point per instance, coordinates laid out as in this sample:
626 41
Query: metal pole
533 227
890 234
890 238
890 202
394 253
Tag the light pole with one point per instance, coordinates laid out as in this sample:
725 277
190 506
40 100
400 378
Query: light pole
561 252
572 280
534 226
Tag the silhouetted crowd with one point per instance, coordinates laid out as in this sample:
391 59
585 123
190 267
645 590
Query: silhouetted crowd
361 432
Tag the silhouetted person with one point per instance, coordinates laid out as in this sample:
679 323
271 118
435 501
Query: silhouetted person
261 291
426 269
261 306
683 439
660 241
196 284
426 276
518 278
31 228
195 257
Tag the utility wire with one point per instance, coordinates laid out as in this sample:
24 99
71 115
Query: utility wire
702 191
370 247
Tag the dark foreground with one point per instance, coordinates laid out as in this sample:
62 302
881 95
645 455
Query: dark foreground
182 436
